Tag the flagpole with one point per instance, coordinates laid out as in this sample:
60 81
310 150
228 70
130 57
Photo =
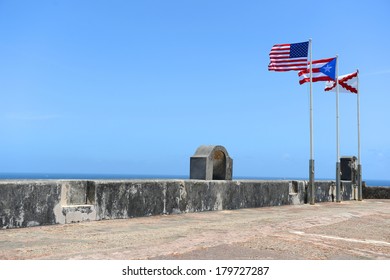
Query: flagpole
360 190
311 161
337 134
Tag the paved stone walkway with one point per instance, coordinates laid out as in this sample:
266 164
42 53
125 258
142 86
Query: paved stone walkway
347 230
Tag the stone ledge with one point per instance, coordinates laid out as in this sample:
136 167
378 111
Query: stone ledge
45 202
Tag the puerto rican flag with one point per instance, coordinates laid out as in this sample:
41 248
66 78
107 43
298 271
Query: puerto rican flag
323 70
347 83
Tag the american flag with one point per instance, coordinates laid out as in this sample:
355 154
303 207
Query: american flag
288 57
323 70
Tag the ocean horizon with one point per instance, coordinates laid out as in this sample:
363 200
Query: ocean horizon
98 176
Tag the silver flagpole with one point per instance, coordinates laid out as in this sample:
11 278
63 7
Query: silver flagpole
360 188
311 161
337 134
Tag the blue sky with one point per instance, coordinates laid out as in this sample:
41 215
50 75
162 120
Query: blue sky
135 87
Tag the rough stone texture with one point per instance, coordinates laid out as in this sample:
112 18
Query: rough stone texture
28 203
78 213
42 202
129 199
325 191
76 192
199 195
267 193
297 192
376 192
211 163
348 190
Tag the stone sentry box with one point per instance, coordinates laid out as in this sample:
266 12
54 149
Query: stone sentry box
348 166
211 163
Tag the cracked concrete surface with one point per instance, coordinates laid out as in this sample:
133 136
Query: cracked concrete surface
347 230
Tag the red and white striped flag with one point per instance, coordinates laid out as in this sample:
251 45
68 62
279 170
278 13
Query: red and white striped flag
322 70
288 57
347 83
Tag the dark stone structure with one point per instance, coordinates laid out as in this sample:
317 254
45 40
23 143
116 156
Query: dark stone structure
375 192
325 191
348 166
25 203
28 203
211 163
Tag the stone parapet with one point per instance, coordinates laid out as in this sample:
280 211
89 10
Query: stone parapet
25 203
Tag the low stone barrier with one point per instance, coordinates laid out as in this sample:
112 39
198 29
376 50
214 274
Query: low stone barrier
376 192
25 203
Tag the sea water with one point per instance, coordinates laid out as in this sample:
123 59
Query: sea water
82 176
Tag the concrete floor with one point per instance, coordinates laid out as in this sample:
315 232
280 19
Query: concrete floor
347 230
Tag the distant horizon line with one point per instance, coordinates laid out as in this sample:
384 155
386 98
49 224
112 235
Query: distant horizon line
90 175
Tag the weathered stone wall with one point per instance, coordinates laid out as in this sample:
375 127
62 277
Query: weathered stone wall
24 203
44 202
376 192
142 198
129 199
325 191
